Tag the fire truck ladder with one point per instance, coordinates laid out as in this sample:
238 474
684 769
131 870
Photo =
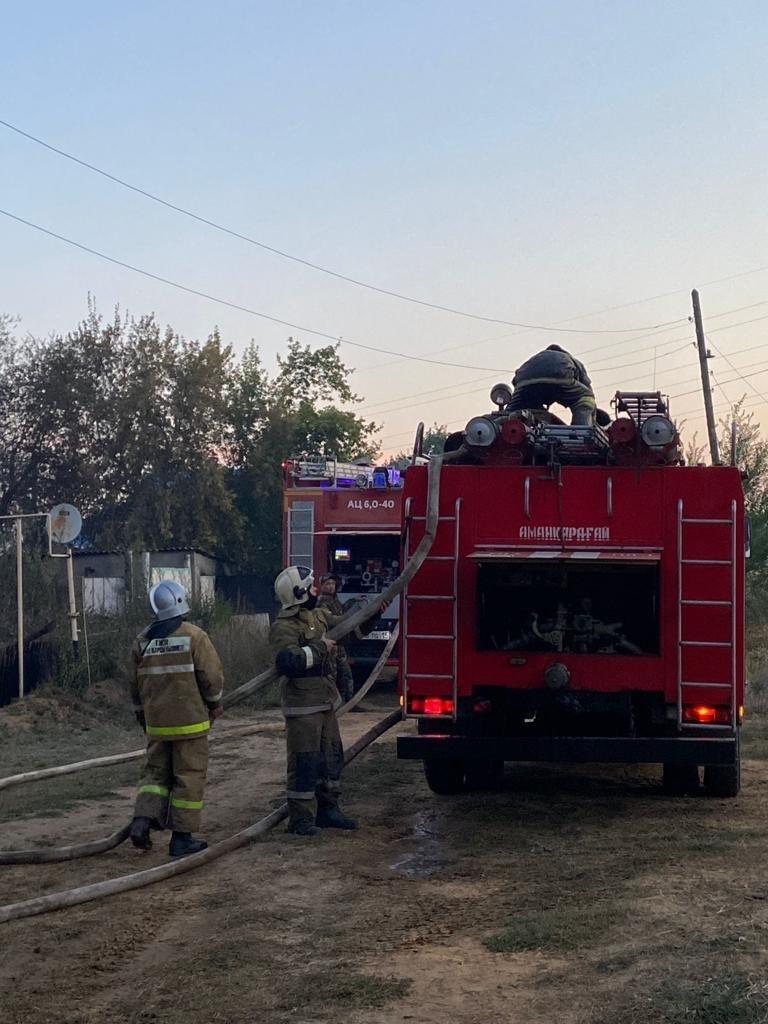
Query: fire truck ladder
726 601
641 404
448 638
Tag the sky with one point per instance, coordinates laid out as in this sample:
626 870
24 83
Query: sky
582 164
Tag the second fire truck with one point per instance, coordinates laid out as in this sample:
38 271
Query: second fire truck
345 518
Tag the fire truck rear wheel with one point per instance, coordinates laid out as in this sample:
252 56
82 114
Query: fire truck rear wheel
444 776
680 779
722 780
484 775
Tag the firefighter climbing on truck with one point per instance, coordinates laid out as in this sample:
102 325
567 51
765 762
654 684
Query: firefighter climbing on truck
554 375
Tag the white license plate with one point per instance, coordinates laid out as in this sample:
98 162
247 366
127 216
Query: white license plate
379 634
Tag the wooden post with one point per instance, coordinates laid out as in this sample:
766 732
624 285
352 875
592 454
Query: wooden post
705 387
73 631
20 605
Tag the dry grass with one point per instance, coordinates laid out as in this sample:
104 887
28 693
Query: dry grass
560 929
242 643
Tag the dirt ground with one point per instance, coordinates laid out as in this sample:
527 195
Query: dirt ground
574 895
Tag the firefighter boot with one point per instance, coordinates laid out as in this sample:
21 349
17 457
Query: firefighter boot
182 844
329 816
304 827
140 833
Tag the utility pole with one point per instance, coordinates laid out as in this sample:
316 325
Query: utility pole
704 355
20 604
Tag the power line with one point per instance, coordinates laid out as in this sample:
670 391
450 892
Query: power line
432 391
669 384
715 316
304 262
741 323
518 334
739 374
643 362
719 385
615 344
420 394
243 309
752 404
368 409
412 433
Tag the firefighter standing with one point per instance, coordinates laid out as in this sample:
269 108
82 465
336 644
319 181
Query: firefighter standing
328 599
176 686
307 658
554 375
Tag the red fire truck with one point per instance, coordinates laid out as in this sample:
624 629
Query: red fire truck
583 601
345 518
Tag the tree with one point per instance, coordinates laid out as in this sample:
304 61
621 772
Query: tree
288 416
751 454
166 442
34 396
434 440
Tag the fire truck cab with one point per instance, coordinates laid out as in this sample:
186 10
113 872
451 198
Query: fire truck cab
583 601
345 519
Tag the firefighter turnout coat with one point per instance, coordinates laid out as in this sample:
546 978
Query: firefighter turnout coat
175 679
302 657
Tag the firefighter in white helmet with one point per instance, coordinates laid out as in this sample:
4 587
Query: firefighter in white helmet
176 685
306 657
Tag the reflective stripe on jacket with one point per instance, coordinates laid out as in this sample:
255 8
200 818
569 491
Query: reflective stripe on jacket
175 680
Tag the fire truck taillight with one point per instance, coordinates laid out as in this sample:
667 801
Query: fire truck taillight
430 705
706 714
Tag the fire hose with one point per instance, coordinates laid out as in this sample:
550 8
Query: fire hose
103 762
56 854
348 623
138 879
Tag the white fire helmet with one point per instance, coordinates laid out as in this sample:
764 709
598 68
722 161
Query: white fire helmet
168 599
292 585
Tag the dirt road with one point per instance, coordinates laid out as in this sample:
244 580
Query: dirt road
575 895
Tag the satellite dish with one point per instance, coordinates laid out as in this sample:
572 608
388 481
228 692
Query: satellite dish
66 523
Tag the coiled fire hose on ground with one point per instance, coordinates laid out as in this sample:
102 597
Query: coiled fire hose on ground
83 894
124 883
56 854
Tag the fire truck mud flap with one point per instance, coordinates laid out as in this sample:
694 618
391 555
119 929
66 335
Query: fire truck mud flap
717 751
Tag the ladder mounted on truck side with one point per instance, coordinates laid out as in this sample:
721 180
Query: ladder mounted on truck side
722 595
450 525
